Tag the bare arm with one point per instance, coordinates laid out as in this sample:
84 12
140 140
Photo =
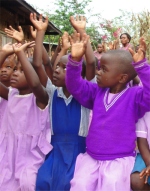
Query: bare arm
79 25
31 76
38 49
4 91
145 152
64 49
57 51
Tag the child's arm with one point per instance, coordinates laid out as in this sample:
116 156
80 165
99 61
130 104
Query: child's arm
145 152
38 49
82 90
45 57
4 91
17 35
143 70
64 48
79 25
31 76
57 51
7 50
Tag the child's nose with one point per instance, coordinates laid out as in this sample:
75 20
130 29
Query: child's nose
3 69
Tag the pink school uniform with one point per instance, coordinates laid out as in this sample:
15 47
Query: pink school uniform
24 142
143 127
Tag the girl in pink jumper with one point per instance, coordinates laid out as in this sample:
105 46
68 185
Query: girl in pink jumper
140 178
25 132
6 70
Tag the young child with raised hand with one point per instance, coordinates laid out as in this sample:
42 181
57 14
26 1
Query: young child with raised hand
69 120
25 131
140 177
110 143
6 70
79 24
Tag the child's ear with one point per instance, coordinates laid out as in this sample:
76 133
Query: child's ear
123 78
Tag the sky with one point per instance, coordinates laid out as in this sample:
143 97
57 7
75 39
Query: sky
108 8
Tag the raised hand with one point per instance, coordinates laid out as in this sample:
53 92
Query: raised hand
33 32
78 23
17 35
145 174
8 48
17 47
111 45
39 24
140 55
65 41
78 46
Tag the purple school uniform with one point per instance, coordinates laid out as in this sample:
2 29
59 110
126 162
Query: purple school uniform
112 130
24 142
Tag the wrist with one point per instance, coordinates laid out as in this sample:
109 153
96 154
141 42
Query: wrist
81 31
76 59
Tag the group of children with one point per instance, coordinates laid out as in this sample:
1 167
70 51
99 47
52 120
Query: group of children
47 141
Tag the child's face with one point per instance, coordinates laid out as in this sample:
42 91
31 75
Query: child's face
59 75
18 79
124 39
108 75
6 70
100 48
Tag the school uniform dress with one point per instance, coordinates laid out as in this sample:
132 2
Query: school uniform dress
69 124
110 143
24 142
143 131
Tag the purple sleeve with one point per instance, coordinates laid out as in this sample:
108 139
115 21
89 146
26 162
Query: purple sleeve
143 95
82 90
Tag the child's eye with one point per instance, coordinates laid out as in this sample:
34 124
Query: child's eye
8 67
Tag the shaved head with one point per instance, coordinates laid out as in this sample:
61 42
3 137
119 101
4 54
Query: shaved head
123 60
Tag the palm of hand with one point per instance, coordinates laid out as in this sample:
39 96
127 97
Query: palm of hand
19 36
39 25
138 56
77 50
65 43
8 48
79 24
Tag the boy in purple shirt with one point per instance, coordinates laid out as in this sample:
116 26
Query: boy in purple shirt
110 152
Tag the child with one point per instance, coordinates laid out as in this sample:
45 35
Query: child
5 73
125 39
69 120
140 178
24 133
110 143
99 52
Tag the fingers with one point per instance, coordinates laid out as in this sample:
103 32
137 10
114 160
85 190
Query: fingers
11 28
131 51
34 16
20 29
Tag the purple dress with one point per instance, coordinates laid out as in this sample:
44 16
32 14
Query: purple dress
24 142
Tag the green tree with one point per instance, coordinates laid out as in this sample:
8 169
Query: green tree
65 9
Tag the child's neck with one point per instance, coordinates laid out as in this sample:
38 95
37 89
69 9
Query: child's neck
67 94
117 89
25 91
125 45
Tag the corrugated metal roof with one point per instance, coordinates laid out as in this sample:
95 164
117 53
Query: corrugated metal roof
22 8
